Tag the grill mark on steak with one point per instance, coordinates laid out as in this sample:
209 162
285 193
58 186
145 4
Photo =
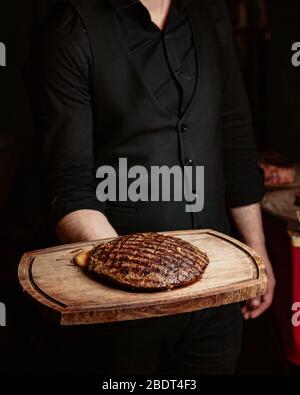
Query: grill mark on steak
140 261
144 262
148 261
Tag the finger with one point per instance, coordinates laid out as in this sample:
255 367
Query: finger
268 297
257 305
244 309
247 306
246 315
246 312
259 311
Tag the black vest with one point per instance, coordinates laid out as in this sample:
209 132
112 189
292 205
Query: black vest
130 123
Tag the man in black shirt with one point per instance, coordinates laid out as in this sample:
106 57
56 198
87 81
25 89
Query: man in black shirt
157 83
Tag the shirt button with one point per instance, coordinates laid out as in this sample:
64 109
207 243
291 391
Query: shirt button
189 162
184 129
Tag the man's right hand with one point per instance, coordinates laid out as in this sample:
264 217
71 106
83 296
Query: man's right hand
84 225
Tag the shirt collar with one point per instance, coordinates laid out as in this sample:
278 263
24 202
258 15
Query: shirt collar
122 4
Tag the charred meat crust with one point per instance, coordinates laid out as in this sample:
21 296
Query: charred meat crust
148 262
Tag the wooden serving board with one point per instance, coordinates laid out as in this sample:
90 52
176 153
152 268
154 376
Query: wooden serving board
70 296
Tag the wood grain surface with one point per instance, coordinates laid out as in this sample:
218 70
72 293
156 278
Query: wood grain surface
70 296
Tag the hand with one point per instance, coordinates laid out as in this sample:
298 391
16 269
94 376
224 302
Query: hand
253 308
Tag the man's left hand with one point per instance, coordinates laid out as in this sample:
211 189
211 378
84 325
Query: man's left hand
253 308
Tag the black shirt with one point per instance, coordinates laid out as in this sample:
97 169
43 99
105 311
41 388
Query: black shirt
165 60
167 65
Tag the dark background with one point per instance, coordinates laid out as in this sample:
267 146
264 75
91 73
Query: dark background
263 37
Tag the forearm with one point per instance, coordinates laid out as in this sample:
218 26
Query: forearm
248 220
84 225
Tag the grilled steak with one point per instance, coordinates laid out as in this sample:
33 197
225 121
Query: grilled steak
148 262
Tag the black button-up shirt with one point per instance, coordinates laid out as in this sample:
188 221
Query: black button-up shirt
165 61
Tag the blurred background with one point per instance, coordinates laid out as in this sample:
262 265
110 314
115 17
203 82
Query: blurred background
264 31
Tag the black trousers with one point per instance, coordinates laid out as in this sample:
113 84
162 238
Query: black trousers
203 342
